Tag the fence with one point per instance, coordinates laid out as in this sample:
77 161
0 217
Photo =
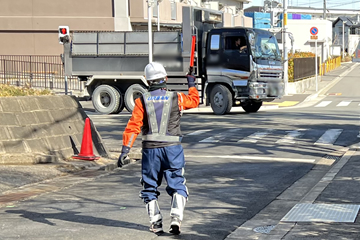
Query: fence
305 67
329 65
45 72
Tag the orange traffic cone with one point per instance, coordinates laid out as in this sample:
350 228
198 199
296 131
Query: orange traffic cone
86 151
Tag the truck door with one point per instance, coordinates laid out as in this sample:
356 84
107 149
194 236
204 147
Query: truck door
236 51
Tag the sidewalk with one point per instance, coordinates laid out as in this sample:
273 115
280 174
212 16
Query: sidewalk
329 211
325 82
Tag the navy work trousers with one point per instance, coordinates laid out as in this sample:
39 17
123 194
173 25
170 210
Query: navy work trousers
158 162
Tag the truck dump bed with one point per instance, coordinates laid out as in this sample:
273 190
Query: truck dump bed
114 53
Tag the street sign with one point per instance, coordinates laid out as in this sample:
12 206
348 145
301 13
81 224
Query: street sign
314 31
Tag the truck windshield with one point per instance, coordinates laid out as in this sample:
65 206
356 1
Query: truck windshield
266 47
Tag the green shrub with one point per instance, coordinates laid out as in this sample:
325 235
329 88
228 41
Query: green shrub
11 91
291 62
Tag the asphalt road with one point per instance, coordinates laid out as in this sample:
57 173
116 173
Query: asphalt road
237 165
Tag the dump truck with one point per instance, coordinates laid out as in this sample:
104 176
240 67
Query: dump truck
234 66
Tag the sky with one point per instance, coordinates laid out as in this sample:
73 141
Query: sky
335 4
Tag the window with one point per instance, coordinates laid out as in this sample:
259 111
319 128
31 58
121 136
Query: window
215 42
236 43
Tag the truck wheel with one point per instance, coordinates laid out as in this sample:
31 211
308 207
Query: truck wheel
221 99
121 103
252 106
106 99
132 93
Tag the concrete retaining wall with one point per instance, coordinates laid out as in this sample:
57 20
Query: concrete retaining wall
301 86
36 129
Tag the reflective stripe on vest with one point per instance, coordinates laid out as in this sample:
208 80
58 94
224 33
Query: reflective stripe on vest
159 135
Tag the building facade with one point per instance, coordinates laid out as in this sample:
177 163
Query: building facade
30 27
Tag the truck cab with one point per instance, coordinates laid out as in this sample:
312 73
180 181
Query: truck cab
248 63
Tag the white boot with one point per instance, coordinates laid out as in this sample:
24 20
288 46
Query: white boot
155 216
177 213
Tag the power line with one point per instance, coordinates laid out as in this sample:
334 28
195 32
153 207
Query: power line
329 3
304 4
342 4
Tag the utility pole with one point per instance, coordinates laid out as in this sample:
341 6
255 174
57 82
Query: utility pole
343 39
158 14
285 50
271 15
324 13
150 3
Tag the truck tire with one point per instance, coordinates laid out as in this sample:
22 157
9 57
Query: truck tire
132 93
252 106
106 99
121 103
221 100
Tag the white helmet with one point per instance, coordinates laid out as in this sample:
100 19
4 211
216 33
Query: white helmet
155 71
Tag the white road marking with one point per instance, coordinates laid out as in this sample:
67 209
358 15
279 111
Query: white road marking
254 158
291 136
220 136
343 103
329 137
253 138
323 104
198 132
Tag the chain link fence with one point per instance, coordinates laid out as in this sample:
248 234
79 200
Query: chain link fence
41 72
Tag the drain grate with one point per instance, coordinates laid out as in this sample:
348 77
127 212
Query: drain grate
264 229
308 212
332 157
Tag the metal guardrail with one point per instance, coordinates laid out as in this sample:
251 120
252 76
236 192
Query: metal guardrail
43 72
329 65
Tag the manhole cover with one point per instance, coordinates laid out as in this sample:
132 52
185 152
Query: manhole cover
264 229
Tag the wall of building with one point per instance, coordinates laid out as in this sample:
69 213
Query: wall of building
30 27
301 32
338 34
121 15
353 43
237 21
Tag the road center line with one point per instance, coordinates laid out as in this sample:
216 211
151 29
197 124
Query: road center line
254 158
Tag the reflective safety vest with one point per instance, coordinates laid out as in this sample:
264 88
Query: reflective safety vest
158 110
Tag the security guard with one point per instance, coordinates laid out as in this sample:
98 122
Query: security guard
157 114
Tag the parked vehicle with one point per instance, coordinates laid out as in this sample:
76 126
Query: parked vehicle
233 66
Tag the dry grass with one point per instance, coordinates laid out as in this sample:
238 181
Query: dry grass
11 91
